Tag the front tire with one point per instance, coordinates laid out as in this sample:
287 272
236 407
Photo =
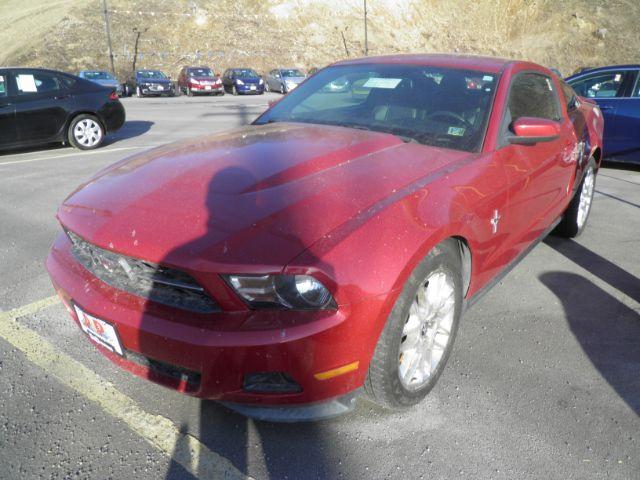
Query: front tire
86 132
418 337
575 217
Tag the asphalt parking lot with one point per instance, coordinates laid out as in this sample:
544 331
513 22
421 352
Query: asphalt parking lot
544 380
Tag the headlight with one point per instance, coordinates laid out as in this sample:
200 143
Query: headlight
294 292
194 81
239 82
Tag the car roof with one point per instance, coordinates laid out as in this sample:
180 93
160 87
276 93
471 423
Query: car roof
469 62
629 66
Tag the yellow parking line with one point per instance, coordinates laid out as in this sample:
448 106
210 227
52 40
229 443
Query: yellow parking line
159 431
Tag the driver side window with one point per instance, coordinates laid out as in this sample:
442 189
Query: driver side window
531 95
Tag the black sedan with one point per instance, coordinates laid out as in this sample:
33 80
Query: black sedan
44 106
149 83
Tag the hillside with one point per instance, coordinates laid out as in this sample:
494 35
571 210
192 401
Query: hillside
70 34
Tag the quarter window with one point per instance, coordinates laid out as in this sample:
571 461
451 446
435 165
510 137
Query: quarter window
532 95
3 85
569 95
636 89
601 85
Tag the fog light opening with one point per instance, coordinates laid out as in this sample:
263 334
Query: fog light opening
270 382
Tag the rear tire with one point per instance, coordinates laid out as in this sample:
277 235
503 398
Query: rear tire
576 215
86 132
418 337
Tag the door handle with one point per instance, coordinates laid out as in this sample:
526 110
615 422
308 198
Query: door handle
606 107
61 97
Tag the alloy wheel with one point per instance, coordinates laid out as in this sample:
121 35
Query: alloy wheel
427 330
586 197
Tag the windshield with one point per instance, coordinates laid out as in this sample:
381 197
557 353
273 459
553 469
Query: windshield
245 73
200 72
292 73
98 76
436 106
151 74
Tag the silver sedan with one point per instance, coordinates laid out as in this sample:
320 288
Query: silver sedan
283 80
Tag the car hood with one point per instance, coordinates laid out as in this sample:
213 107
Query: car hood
204 79
163 81
249 80
294 79
253 197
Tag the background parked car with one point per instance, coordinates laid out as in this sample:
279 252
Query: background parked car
45 106
616 90
149 82
102 77
242 80
284 80
192 80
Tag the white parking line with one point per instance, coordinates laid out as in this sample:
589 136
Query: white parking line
157 430
75 154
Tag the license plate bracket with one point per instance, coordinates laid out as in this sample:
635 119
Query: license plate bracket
100 331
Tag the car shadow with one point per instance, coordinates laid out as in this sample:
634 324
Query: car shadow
607 330
130 129
275 450
602 268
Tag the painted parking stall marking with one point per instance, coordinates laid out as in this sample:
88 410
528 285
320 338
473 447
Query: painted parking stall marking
157 430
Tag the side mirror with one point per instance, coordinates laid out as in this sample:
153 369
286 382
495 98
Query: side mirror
531 130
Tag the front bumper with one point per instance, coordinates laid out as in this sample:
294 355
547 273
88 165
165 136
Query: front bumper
206 88
210 354
157 90
250 88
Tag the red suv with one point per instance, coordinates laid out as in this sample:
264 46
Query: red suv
192 80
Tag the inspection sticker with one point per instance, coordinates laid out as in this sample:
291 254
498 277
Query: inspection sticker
382 82
457 131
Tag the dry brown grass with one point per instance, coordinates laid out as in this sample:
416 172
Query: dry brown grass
69 34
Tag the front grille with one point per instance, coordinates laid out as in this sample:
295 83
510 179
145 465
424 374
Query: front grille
144 279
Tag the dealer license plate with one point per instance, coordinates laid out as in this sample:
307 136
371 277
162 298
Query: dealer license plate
99 331
252 87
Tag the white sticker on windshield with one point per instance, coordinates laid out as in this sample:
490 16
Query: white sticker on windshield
382 82
26 83
1 78
487 78
618 77
457 131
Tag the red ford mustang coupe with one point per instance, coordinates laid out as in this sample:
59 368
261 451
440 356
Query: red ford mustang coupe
331 247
